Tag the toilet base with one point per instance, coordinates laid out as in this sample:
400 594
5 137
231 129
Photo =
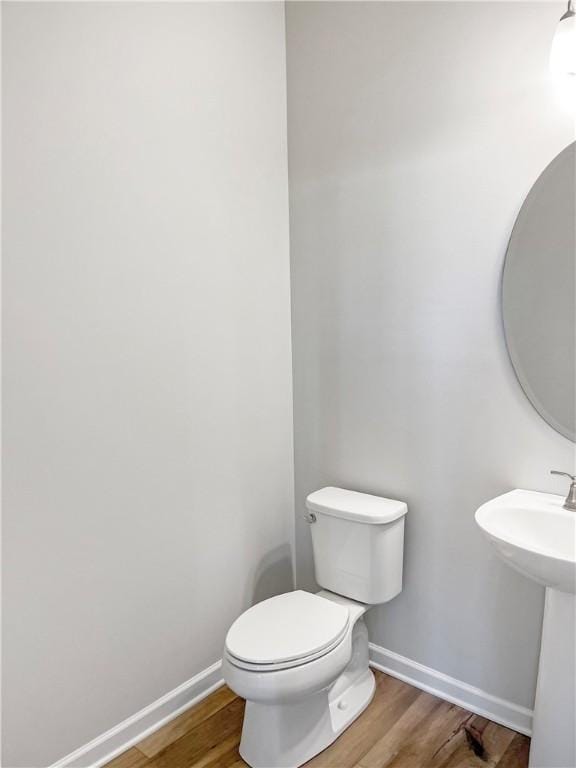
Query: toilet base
288 735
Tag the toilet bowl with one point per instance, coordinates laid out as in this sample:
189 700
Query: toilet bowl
294 709
300 659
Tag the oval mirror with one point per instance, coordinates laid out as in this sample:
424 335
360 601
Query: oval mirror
538 288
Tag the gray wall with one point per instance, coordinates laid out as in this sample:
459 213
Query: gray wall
415 132
148 420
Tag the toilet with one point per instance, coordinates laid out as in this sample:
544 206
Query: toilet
301 659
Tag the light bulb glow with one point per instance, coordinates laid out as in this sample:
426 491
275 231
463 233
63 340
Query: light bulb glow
563 52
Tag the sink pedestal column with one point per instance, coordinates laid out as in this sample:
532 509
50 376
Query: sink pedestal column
554 728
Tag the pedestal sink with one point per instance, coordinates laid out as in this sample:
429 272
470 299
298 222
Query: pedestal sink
533 534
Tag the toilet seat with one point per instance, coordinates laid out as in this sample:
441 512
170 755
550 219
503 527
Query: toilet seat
286 631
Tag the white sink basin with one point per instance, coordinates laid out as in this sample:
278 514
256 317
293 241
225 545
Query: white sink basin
533 534
536 536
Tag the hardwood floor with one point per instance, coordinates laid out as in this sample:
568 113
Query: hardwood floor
402 728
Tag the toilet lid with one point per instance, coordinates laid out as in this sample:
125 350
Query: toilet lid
287 627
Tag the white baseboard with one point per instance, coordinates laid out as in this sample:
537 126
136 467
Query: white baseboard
455 691
130 731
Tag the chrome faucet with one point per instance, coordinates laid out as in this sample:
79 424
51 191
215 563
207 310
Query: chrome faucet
570 502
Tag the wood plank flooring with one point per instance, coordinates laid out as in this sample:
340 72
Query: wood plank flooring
402 728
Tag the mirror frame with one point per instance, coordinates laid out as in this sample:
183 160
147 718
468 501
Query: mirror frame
538 406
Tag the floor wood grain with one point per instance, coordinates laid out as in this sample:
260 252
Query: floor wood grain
402 728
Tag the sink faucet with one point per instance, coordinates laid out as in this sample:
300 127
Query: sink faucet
570 502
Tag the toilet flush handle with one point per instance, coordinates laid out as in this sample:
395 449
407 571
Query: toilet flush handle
310 517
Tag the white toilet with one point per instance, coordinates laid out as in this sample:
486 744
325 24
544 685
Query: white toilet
301 660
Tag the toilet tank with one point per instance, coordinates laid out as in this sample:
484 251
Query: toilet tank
358 543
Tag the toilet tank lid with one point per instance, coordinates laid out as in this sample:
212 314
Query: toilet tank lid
352 505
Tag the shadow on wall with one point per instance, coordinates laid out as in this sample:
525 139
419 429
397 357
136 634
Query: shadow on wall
274 575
